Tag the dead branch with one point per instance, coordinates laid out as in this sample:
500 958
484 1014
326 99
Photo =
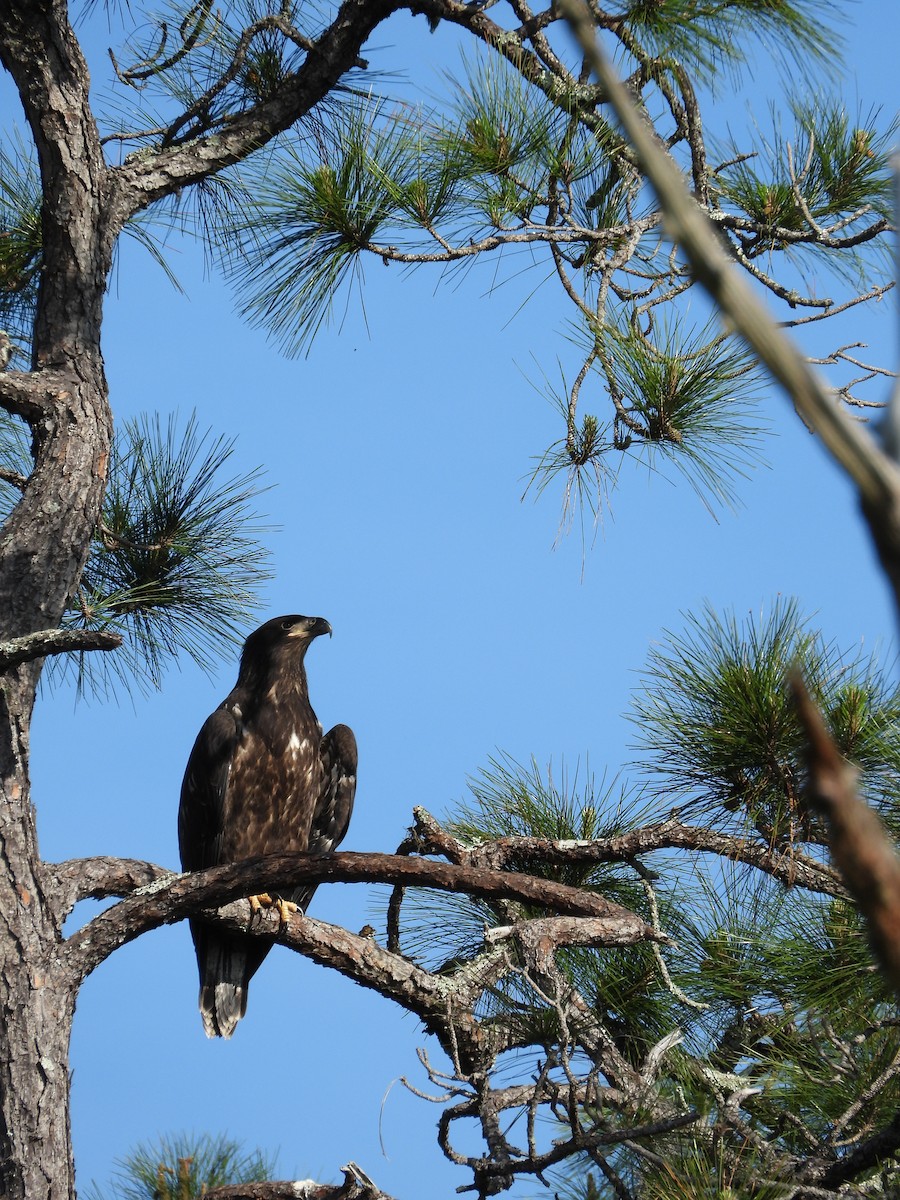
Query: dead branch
356 1186
793 870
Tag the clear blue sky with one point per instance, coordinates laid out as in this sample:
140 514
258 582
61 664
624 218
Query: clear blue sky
399 450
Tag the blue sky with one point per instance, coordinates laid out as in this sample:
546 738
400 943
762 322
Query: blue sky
399 451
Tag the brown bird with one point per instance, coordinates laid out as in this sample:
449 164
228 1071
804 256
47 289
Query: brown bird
261 779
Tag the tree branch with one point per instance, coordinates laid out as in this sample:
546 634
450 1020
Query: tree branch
520 853
54 641
31 394
97 878
170 899
356 1186
430 997
145 177
880 1146
875 475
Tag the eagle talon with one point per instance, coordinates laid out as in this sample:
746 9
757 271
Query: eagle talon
284 907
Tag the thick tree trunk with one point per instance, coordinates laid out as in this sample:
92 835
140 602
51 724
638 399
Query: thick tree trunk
43 547
51 531
35 1146
41 555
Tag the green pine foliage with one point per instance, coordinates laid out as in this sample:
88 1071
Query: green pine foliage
712 36
721 734
831 168
15 460
176 565
515 159
515 162
20 246
684 400
183 1167
327 199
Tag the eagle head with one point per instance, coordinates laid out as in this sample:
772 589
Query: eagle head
281 639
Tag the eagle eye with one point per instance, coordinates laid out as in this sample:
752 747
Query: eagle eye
287 624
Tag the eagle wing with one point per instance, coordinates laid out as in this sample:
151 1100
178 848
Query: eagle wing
201 814
331 816
337 752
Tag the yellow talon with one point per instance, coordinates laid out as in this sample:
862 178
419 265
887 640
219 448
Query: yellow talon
264 900
285 908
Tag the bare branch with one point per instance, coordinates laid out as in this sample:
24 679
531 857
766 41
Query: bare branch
97 878
444 1010
794 869
874 293
15 478
543 934
32 394
54 641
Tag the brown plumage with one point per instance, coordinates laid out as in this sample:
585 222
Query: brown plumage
261 779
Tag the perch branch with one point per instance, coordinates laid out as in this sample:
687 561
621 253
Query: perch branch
171 899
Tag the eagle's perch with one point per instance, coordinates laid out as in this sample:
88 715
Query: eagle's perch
261 779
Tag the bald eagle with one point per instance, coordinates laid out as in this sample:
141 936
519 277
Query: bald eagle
261 779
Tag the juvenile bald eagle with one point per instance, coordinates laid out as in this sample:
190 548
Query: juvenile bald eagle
261 779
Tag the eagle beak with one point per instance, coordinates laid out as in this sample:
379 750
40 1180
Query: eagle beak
319 626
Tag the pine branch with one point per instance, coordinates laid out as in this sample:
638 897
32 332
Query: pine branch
32 395
876 477
45 642
793 870
76 879
146 177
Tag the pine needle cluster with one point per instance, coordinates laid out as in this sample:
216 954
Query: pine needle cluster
183 1167
176 564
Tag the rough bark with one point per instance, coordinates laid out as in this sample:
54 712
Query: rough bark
43 547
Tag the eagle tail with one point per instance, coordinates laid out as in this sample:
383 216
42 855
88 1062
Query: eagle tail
221 1006
226 967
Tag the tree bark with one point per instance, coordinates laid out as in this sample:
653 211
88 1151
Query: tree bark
43 547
